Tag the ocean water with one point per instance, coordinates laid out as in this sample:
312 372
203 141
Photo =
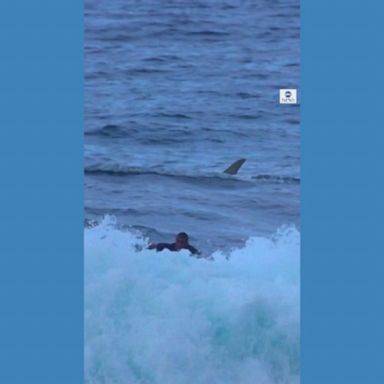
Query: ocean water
171 318
175 91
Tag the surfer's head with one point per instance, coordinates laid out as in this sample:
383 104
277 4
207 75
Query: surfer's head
181 240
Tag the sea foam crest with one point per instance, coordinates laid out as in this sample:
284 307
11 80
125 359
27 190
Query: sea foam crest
169 318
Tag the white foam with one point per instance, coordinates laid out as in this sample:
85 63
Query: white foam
169 318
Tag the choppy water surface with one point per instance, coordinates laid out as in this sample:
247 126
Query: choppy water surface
175 91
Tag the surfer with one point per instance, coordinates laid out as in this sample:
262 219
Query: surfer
181 242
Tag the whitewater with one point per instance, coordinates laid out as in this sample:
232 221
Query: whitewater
170 318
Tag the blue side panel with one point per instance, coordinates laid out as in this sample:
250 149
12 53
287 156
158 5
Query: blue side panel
41 204
342 192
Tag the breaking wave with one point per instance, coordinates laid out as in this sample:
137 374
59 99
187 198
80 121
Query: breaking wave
169 318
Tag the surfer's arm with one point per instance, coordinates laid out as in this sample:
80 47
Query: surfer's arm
194 251
160 247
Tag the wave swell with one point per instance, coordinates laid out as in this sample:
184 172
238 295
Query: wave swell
136 171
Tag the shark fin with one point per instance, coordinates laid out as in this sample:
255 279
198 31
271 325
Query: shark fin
234 167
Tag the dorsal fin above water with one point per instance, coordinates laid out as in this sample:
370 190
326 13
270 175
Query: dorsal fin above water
234 167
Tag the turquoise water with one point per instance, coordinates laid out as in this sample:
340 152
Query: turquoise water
171 318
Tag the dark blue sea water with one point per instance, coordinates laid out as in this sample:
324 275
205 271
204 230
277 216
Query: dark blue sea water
175 91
